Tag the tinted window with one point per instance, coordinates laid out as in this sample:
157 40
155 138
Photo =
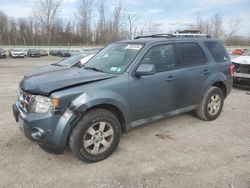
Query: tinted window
162 56
191 54
218 52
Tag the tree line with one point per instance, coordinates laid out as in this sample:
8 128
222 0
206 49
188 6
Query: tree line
45 27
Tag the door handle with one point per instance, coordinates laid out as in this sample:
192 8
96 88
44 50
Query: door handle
170 78
205 72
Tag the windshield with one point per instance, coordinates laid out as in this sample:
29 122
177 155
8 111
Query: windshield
15 50
115 58
71 60
33 51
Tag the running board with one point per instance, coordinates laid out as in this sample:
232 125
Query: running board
159 117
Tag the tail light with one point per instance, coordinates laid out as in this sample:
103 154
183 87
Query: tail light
231 70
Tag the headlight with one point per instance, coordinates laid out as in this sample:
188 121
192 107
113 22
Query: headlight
41 104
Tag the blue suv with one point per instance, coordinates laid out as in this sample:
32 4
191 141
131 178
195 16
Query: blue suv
127 84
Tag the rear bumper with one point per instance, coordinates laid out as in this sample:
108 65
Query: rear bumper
242 82
49 129
34 55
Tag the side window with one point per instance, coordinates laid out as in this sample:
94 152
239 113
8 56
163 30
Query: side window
191 54
162 56
218 52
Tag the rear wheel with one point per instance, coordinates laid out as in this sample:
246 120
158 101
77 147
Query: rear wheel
211 105
95 136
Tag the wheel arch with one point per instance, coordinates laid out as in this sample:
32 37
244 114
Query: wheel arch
221 85
115 110
109 107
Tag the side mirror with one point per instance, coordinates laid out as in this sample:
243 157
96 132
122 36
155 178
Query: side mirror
145 69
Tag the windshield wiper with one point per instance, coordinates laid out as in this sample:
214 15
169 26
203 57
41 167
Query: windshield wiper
56 64
93 68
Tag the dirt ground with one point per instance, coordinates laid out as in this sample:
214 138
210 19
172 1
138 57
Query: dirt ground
181 151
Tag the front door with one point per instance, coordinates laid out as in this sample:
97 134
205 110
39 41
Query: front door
152 95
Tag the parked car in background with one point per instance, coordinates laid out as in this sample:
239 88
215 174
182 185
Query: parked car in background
43 52
239 51
91 50
63 53
127 84
2 53
14 53
25 51
33 53
59 53
242 70
53 52
74 52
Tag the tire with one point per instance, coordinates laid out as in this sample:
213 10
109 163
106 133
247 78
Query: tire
209 109
90 135
50 150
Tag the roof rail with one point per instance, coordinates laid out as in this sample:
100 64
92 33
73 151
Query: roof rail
175 35
191 35
155 36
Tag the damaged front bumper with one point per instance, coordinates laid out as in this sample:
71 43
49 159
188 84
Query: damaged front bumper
48 129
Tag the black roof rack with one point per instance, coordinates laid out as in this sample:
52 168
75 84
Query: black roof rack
175 35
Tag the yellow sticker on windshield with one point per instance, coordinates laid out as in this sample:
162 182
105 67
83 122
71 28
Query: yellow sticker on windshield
134 47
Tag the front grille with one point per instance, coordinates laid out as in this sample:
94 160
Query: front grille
240 68
24 100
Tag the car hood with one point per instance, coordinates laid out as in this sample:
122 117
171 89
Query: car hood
44 83
17 52
45 69
245 60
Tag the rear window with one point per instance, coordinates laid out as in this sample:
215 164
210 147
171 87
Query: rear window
191 54
218 52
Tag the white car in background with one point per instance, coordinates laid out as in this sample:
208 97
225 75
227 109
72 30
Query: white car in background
242 70
16 53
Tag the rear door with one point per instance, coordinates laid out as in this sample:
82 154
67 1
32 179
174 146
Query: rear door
192 73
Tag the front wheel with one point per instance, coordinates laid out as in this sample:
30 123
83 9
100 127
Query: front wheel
211 105
96 136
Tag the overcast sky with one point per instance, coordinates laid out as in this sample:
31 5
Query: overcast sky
168 13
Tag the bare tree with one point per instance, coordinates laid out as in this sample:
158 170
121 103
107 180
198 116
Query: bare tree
212 26
101 28
234 24
116 23
47 28
85 11
217 24
133 26
46 12
3 26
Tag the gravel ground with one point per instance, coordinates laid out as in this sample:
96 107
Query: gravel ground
181 151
